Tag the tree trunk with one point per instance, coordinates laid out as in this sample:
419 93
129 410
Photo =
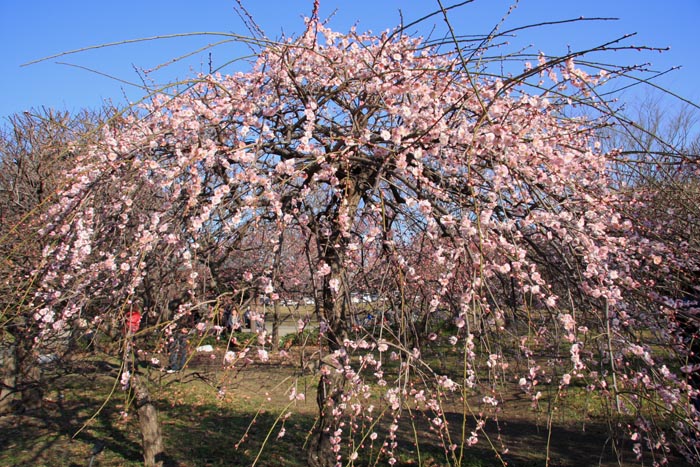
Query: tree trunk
151 437
28 376
331 385
275 325
330 390
276 310
8 377
336 300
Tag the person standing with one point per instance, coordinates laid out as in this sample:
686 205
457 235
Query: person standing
133 320
234 321
178 351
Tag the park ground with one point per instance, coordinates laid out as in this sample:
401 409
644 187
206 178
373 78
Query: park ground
216 417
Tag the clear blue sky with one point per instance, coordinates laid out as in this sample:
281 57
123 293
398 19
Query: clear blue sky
32 29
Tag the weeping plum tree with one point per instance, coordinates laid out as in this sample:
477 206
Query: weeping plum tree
401 171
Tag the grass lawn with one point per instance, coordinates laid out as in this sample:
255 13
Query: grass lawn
212 417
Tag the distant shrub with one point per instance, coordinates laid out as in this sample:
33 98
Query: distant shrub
306 337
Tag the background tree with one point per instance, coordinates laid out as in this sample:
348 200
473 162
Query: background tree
36 147
657 172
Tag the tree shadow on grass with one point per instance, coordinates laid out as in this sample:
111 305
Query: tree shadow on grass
52 436
209 436
524 442
76 420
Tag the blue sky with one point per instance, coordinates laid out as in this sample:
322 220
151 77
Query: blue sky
32 29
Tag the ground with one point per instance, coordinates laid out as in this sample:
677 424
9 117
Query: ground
212 417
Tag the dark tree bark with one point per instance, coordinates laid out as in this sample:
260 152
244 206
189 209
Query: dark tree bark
151 436
330 390
28 375
275 325
8 377
335 313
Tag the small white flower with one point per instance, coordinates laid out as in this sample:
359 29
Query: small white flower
126 377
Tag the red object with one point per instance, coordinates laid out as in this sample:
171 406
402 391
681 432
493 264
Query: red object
133 321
